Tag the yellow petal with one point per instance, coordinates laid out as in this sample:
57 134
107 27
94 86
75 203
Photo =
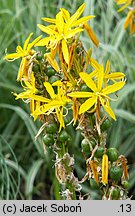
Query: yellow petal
128 19
43 42
108 67
53 62
52 105
23 95
34 42
93 73
125 6
82 20
49 89
72 33
75 108
32 106
91 34
57 83
100 77
13 56
113 88
49 20
89 82
121 1
105 169
47 30
77 14
87 104
93 166
115 75
65 51
40 98
66 14
107 108
27 41
94 64
80 94
23 69
59 113
60 22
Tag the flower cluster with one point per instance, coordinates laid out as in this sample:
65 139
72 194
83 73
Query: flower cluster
67 80
130 19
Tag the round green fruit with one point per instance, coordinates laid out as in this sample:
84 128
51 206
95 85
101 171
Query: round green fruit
116 173
99 152
39 56
93 184
51 128
112 154
125 184
63 136
50 71
35 67
53 79
115 194
106 124
85 147
48 139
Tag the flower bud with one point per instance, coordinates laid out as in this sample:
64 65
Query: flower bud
105 169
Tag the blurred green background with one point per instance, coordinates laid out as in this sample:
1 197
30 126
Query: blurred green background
25 171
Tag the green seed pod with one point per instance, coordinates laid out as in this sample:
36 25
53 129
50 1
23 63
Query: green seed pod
115 194
39 56
105 125
112 154
125 184
48 139
35 67
50 71
53 79
93 184
85 147
63 136
116 173
51 128
99 152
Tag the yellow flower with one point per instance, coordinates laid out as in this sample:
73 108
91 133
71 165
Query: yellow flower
23 53
130 21
107 74
63 28
125 4
29 88
55 104
99 96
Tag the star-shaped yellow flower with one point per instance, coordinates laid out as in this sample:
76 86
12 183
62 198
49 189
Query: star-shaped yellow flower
63 28
107 73
29 88
99 94
23 53
56 103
